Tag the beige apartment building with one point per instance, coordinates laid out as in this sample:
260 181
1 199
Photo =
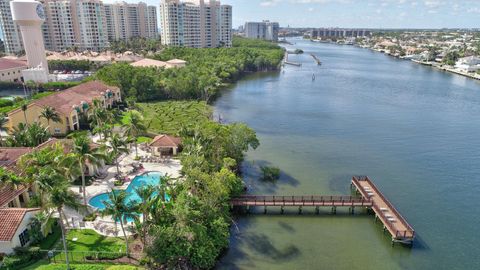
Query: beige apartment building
83 24
195 23
125 20
69 104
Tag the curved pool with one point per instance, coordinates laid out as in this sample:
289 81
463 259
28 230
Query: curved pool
149 178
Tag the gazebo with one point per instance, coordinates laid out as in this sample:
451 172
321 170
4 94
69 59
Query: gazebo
165 145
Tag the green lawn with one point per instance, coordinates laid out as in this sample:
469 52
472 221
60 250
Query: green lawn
89 242
51 239
168 116
45 265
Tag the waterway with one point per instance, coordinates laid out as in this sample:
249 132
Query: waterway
414 130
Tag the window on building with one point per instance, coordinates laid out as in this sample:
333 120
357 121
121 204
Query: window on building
57 131
24 238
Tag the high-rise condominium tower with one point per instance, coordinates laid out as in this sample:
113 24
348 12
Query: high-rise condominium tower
83 24
12 39
126 20
262 30
195 23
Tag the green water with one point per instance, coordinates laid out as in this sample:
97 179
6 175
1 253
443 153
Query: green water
412 129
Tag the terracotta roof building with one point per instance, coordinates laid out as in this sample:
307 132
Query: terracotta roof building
159 64
69 103
14 227
165 145
11 70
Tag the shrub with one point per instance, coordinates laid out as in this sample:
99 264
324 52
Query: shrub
90 217
22 256
118 183
5 102
270 173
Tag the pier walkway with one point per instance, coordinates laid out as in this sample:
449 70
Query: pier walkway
392 220
369 197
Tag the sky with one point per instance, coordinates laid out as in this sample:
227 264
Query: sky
356 13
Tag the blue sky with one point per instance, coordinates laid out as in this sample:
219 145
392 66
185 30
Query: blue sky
356 13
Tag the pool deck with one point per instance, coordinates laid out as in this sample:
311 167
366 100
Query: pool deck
105 225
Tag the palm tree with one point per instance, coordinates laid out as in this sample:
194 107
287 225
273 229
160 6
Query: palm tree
118 145
145 193
24 109
117 207
60 196
3 123
81 154
134 127
50 114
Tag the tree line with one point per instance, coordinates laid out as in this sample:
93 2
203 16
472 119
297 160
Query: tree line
207 71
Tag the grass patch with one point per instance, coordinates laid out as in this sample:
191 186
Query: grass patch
144 140
45 265
89 243
51 239
167 117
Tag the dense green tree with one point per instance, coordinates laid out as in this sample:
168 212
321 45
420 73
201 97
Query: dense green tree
117 207
28 135
134 127
81 154
50 114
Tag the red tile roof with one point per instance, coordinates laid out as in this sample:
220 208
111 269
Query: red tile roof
165 141
9 64
8 193
64 101
10 220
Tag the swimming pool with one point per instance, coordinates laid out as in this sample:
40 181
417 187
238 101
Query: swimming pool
150 178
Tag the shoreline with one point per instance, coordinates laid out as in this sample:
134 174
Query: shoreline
434 65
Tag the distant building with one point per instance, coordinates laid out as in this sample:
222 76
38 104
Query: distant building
83 24
338 33
196 23
177 63
468 64
262 30
11 70
125 20
12 39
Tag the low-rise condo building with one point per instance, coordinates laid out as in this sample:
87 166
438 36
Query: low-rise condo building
11 70
70 104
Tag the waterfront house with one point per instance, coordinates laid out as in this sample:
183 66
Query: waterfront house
11 70
14 228
70 104
165 145
468 64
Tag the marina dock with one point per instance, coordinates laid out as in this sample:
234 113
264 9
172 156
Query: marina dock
369 197
317 60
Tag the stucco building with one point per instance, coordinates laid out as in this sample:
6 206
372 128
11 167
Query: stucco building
70 104
11 70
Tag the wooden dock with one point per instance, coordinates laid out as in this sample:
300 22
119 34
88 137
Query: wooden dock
369 197
392 220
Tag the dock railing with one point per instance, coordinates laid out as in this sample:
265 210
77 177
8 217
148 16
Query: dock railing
407 233
309 200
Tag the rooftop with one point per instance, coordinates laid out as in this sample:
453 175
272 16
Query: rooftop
65 100
10 220
165 141
10 63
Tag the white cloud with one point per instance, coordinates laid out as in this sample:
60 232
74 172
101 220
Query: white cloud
311 9
433 3
269 3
